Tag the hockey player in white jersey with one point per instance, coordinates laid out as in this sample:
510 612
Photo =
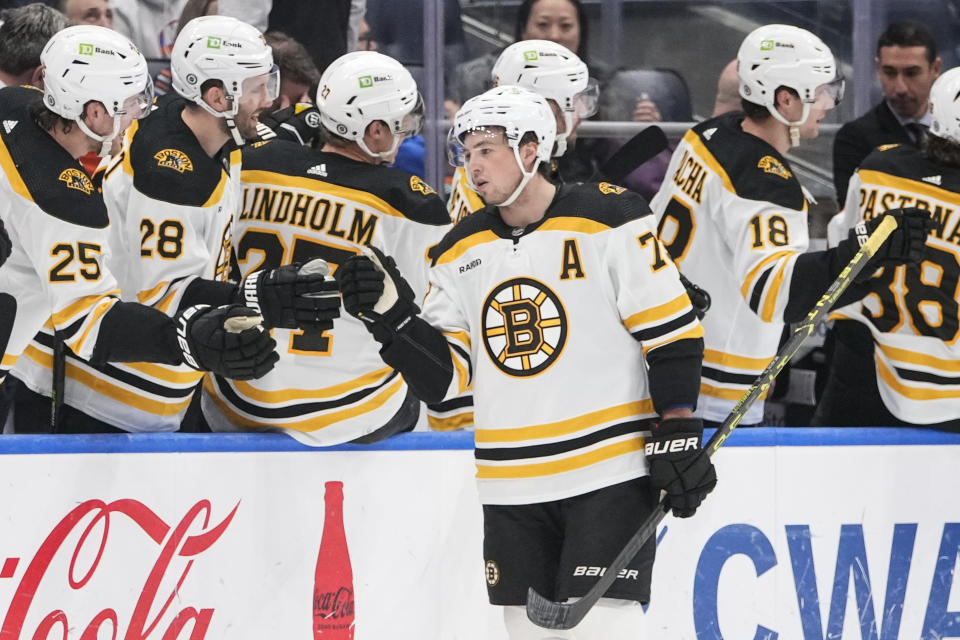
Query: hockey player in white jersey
171 194
896 357
300 203
56 274
734 217
552 71
561 307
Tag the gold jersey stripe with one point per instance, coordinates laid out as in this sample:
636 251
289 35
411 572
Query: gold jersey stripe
701 151
450 423
726 394
13 176
773 292
80 306
576 225
638 409
752 276
76 345
103 387
311 424
283 396
659 312
167 373
311 185
459 336
8 360
690 334
465 245
734 361
913 187
913 393
579 461
912 357
217 194
147 295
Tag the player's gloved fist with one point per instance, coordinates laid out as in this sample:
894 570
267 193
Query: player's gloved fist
699 298
6 247
227 340
374 291
293 296
679 466
906 242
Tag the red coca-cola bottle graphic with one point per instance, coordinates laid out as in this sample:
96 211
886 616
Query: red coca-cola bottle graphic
333 581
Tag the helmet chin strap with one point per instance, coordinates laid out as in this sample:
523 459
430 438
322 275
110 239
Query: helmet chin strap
106 142
794 126
230 117
561 140
383 156
523 181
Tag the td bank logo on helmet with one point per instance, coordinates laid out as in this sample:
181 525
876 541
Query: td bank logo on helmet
216 42
770 45
368 81
87 49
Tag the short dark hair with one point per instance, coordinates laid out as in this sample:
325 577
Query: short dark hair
942 151
292 58
523 14
908 33
758 112
24 33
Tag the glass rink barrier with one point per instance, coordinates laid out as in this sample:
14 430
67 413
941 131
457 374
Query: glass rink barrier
810 534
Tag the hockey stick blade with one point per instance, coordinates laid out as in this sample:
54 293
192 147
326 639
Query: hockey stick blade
562 615
637 150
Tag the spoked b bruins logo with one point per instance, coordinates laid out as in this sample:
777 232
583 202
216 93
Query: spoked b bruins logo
524 327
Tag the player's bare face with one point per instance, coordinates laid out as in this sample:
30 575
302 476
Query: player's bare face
906 77
258 95
554 20
491 165
823 103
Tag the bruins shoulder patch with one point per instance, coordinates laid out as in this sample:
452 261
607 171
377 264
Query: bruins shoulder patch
173 159
607 188
416 184
76 179
769 164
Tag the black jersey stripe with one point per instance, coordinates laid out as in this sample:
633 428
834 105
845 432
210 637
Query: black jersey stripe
652 333
757 293
726 377
924 376
564 446
460 402
238 403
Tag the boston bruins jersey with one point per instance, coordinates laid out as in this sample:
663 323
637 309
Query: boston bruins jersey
551 324
911 310
299 204
463 200
56 276
171 207
734 218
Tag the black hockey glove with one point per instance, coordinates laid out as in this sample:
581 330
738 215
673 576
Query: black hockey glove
699 297
293 297
227 340
299 123
6 247
679 466
905 244
374 291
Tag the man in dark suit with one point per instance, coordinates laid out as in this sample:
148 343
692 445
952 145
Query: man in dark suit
907 65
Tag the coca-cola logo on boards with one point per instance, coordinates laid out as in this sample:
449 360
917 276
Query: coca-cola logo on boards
153 603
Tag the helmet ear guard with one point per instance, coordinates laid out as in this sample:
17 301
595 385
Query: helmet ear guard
514 110
778 55
85 63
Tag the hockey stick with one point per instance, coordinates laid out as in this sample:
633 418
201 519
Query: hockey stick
560 615
59 383
637 150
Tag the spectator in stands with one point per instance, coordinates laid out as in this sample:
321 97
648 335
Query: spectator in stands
163 79
365 40
96 12
150 24
23 34
298 75
728 90
907 65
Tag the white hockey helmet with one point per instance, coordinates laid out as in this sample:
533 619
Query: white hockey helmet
780 55
365 86
554 72
225 49
87 62
516 111
945 106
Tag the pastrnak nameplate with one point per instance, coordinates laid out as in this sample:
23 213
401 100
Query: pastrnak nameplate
174 159
77 179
